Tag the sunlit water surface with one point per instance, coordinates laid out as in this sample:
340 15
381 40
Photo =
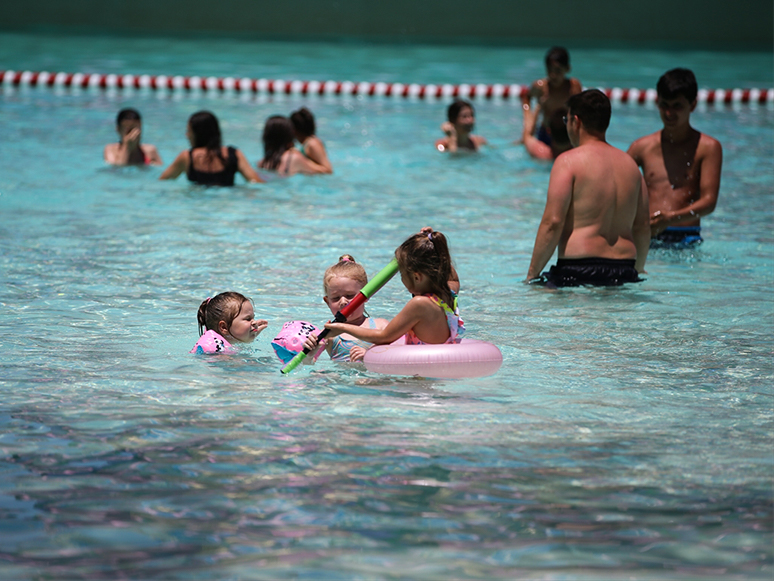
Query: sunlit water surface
628 433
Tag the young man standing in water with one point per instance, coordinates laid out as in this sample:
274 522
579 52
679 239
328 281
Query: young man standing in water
681 165
552 91
596 208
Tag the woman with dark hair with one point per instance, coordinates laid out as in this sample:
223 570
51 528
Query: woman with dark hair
311 145
207 162
280 154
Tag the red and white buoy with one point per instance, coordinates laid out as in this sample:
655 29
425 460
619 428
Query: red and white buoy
278 86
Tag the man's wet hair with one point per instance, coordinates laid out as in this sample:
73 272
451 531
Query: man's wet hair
128 113
593 108
454 109
678 82
558 55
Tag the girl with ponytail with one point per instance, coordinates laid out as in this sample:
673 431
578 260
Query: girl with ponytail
431 316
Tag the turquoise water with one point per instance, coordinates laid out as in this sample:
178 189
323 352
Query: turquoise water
627 435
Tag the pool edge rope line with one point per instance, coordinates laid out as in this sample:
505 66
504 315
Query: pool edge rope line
378 89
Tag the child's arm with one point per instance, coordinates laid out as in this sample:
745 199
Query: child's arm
244 167
416 310
176 167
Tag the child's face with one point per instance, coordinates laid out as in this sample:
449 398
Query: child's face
244 327
675 112
466 119
340 292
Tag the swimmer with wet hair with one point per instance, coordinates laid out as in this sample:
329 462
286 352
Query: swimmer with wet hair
681 165
551 92
129 150
458 129
310 145
208 162
279 152
596 212
341 283
225 318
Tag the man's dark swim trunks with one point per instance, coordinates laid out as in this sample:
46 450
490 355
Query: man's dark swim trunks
677 237
592 271
544 136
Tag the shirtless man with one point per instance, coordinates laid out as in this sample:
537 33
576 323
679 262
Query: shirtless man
129 150
596 209
681 165
458 129
553 91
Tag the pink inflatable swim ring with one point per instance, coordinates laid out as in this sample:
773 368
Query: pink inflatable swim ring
469 358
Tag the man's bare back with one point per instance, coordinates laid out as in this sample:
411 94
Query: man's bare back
596 206
605 196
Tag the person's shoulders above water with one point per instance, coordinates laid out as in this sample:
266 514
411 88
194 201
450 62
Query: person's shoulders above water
646 144
152 156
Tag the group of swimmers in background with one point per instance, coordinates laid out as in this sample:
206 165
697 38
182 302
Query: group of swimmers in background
604 209
208 162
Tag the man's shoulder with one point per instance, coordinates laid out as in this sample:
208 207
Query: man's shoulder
709 143
647 140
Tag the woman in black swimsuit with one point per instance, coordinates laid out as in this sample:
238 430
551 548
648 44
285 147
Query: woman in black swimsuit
208 162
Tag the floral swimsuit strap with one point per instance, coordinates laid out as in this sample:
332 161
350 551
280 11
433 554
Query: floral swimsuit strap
453 319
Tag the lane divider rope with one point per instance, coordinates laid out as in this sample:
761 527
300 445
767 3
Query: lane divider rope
278 86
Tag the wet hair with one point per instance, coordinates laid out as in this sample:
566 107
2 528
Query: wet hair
277 138
206 133
454 109
303 122
428 253
558 128
128 114
593 108
559 56
346 267
223 307
678 82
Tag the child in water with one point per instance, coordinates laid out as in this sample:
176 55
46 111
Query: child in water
341 283
226 317
431 316
311 145
129 150
458 129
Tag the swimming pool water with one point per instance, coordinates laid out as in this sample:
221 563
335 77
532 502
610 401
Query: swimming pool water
627 435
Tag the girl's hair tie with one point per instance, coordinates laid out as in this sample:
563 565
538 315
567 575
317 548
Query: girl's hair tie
346 258
208 300
430 236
